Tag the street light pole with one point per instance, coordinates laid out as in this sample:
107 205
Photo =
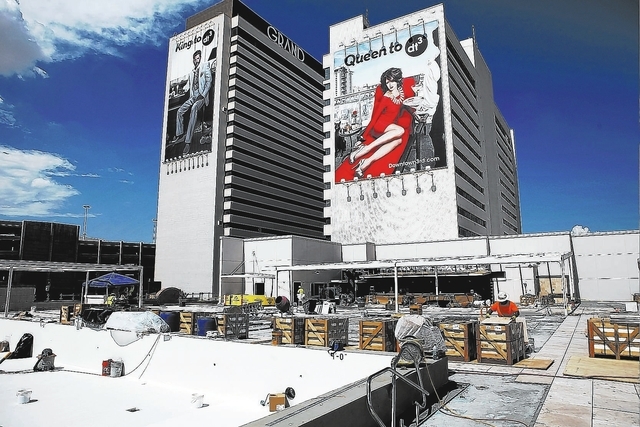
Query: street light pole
84 224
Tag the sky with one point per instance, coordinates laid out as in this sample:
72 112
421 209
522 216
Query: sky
82 93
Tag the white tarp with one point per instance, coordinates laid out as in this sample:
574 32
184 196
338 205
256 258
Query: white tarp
136 321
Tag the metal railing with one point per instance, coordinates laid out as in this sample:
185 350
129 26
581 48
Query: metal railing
410 352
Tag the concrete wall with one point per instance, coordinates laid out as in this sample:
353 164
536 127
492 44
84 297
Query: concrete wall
607 265
263 255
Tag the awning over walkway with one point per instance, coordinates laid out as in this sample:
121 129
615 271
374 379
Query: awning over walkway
399 264
435 262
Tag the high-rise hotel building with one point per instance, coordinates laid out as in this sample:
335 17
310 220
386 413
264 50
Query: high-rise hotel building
395 138
418 150
242 151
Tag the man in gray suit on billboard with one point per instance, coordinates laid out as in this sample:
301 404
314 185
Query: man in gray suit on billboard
199 85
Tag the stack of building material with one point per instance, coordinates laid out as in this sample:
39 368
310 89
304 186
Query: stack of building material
500 340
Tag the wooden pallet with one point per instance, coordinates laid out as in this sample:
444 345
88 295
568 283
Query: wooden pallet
500 340
613 338
460 339
377 335
292 329
603 369
187 323
323 331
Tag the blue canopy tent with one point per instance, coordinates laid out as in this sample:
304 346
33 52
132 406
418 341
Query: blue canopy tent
112 279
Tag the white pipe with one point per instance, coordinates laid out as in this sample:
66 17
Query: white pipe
85 291
395 279
564 288
140 288
6 304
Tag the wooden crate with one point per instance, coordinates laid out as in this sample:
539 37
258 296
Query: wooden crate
187 323
613 338
323 331
377 335
415 309
292 329
233 325
66 314
500 340
460 339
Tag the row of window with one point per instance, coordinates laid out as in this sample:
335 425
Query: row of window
269 76
474 218
506 165
510 226
275 58
470 198
454 80
452 53
463 232
463 124
466 144
509 213
506 176
506 187
469 180
467 162
304 146
509 202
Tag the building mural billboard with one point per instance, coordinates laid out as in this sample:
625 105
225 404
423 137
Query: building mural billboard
387 105
190 81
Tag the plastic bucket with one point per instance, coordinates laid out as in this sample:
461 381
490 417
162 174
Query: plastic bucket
196 400
172 318
206 324
24 396
116 368
106 368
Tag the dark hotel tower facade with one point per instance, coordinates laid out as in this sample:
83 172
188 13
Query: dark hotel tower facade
242 152
419 150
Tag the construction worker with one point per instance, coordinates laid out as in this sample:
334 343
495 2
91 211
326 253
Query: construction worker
504 307
301 297
111 299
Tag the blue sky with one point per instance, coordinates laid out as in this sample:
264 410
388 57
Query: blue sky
82 91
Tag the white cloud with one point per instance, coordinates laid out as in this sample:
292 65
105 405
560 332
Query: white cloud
54 30
579 230
6 115
27 187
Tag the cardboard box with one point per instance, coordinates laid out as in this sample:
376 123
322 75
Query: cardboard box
278 402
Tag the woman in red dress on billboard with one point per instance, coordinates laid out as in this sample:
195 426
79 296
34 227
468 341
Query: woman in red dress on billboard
385 137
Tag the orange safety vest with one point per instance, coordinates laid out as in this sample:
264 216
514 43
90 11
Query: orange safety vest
504 310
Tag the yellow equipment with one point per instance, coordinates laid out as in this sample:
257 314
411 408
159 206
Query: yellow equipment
242 299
